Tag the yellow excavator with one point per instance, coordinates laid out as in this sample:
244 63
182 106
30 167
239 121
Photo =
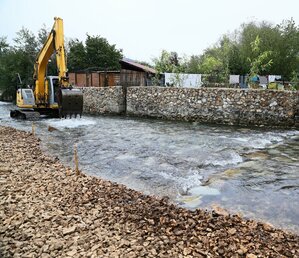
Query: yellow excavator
52 96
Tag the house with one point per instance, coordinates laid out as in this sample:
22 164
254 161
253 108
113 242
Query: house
135 74
88 78
131 74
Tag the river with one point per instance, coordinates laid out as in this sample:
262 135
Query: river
250 171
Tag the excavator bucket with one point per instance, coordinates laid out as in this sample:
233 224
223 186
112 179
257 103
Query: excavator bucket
70 102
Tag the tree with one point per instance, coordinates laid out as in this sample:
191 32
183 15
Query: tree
76 57
215 61
4 46
262 60
4 49
97 53
4 58
193 64
169 62
268 41
20 59
17 59
235 65
25 52
288 50
234 53
210 65
42 36
9 67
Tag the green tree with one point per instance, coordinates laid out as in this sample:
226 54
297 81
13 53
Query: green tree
97 53
210 64
261 61
215 61
4 60
76 57
193 64
25 52
268 41
4 46
287 59
169 62
235 65
295 80
42 36
10 61
235 55
17 59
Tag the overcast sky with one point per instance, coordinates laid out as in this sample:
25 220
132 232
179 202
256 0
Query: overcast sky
142 28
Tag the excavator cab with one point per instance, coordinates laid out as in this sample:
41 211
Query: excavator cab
53 88
69 101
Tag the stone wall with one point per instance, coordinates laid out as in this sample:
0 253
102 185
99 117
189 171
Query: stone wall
103 100
215 105
209 105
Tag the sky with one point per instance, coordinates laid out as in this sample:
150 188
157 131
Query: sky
143 28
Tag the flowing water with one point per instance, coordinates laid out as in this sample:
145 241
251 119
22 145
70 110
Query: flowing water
254 172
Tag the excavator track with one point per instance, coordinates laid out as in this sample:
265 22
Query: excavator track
25 115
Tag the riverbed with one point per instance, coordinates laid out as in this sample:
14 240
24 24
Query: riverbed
251 171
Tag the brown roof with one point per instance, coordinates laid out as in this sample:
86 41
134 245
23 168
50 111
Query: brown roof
137 66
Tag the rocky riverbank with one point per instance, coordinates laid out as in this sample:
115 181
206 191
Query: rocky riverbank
46 210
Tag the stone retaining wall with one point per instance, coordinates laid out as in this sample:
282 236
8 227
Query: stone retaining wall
215 105
103 100
210 105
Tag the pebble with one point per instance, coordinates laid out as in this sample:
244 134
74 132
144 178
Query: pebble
46 210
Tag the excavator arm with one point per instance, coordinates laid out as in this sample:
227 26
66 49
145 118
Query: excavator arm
70 101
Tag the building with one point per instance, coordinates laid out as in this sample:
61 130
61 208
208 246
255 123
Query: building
94 78
131 74
135 74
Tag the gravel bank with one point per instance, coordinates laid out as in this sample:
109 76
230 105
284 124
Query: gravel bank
48 211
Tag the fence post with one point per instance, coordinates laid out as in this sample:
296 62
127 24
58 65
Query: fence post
76 160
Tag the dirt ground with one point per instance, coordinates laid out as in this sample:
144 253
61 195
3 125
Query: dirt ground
46 210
